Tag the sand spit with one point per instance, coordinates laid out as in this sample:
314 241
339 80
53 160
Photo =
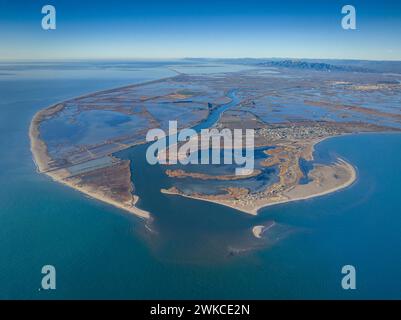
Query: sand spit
101 196
42 161
325 179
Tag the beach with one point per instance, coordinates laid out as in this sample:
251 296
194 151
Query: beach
42 159
326 179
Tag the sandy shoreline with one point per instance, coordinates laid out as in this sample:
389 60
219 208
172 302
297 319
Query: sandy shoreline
250 205
101 197
41 159
254 210
294 194
296 139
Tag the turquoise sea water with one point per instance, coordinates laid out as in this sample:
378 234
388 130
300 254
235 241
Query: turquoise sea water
100 252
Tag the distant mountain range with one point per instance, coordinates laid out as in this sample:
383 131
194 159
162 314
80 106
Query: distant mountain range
344 65
318 66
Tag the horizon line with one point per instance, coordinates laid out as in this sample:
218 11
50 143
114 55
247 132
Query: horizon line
183 58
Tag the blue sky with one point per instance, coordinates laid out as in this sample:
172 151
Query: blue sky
219 28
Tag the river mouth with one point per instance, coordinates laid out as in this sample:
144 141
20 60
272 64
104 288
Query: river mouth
189 231
185 230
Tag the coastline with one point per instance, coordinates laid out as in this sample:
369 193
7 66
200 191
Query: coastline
270 202
129 207
286 196
41 158
349 182
250 205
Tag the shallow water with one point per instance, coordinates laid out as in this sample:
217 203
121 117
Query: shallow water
266 177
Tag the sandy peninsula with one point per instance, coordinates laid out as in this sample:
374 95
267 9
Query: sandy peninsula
323 180
327 179
102 193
